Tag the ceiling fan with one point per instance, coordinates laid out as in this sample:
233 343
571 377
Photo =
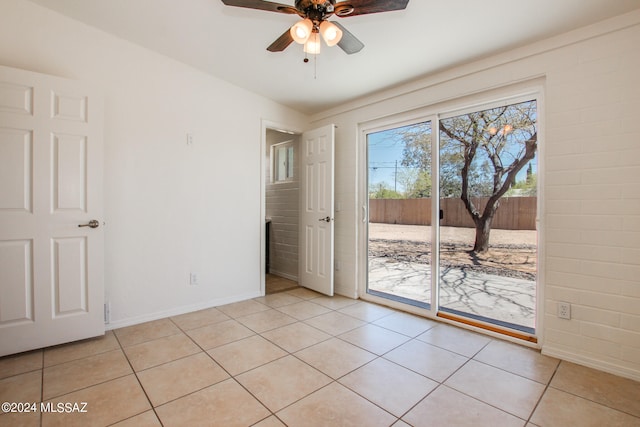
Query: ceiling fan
315 15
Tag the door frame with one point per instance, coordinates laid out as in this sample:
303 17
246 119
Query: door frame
282 127
532 88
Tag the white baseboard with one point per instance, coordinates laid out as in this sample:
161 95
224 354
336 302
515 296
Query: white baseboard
130 321
589 362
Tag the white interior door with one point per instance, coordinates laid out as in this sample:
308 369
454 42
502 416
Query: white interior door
51 270
316 210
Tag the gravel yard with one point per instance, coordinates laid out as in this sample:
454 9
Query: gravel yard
512 252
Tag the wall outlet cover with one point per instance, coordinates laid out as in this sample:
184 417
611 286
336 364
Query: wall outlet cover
564 310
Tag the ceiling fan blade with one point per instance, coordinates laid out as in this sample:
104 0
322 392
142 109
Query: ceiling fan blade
363 7
281 42
349 43
262 5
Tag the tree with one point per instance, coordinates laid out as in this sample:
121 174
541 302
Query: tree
480 154
526 188
382 190
416 183
490 147
416 156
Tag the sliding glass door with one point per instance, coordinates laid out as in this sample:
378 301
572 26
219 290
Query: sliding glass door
488 189
480 166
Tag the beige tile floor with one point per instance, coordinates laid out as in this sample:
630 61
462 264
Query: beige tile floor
301 359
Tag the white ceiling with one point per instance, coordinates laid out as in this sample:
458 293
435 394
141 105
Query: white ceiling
429 36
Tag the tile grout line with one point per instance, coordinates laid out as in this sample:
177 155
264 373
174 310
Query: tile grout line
139 383
147 340
512 373
469 358
442 384
288 353
318 370
546 387
331 336
586 398
333 380
300 360
338 336
98 353
89 386
231 377
419 402
336 380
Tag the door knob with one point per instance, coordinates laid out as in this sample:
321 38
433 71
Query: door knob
94 223
326 219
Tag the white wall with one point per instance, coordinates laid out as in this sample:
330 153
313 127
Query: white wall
591 180
282 200
169 208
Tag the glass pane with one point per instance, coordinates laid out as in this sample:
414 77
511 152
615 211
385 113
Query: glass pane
281 164
488 238
290 162
399 228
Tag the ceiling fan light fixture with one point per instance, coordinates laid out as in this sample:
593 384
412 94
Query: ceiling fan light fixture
330 33
314 13
312 46
301 31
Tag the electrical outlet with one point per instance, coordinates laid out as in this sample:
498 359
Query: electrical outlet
193 279
189 138
564 310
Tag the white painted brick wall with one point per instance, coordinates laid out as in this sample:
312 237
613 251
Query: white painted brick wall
631 355
592 202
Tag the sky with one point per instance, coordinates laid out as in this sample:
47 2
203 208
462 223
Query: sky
385 149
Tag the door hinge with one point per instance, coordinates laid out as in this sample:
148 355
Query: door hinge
107 313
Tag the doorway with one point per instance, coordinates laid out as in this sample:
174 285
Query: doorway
308 175
452 215
282 189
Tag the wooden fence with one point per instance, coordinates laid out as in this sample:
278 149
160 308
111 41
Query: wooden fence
514 213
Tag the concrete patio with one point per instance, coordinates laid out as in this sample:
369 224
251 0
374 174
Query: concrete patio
501 298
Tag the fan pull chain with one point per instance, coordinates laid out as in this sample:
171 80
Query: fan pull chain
315 64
